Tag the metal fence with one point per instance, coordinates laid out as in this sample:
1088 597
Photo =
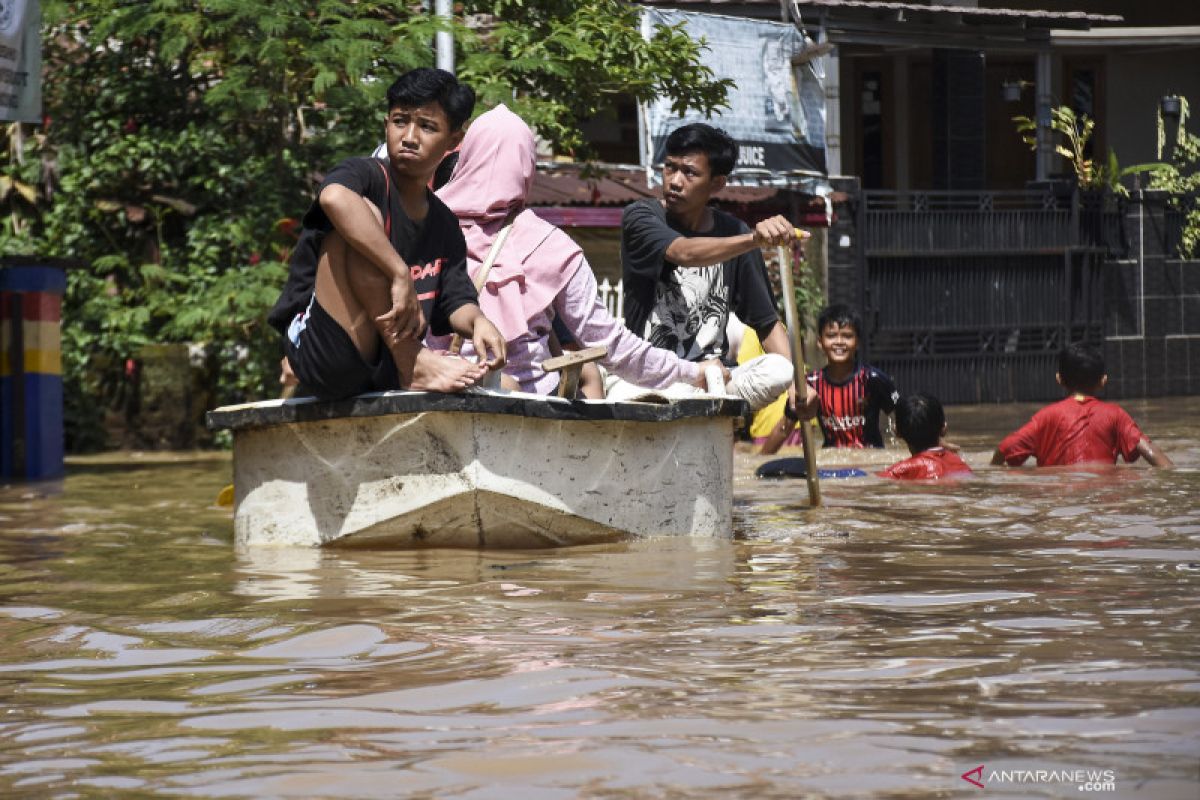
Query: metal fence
613 297
901 223
1047 220
970 295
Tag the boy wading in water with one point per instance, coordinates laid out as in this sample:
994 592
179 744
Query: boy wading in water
380 256
846 397
1079 429
921 423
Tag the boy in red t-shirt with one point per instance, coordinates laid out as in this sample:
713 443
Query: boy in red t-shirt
921 423
1079 429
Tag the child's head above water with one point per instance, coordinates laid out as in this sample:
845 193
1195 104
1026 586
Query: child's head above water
837 334
1081 369
841 315
920 421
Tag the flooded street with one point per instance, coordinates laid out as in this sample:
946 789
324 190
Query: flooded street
1039 625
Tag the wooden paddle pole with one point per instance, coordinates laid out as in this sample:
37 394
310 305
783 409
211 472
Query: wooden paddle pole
456 341
793 324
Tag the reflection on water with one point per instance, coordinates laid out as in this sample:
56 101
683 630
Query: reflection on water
880 646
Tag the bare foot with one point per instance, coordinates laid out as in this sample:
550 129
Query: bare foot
438 372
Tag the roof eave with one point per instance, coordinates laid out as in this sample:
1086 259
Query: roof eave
1173 36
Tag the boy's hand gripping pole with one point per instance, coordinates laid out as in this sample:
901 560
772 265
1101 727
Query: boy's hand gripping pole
797 342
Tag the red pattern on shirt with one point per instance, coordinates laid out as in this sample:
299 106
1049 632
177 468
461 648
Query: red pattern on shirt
931 464
1076 430
842 408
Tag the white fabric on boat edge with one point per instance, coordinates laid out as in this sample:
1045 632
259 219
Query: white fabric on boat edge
760 380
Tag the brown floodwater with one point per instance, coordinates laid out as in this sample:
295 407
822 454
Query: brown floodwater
1038 624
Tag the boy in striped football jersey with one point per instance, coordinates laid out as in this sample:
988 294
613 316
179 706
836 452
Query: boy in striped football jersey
849 395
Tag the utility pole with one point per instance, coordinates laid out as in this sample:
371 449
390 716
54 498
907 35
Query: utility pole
444 9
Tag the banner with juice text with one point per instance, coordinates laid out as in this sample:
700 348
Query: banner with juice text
776 111
20 61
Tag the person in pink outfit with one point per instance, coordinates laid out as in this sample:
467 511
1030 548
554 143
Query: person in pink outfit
539 272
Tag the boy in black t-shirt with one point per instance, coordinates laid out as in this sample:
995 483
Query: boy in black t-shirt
380 255
687 265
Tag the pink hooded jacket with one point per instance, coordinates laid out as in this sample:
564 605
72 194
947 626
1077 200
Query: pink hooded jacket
540 271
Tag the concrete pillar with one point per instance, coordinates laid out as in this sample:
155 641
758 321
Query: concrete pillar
833 109
1044 99
900 109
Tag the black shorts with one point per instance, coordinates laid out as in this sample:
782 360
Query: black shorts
328 364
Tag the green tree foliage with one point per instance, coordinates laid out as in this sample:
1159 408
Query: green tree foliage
566 60
183 139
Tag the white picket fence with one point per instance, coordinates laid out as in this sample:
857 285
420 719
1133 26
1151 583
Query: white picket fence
613 297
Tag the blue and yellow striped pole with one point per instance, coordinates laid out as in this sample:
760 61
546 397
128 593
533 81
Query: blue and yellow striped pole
31 388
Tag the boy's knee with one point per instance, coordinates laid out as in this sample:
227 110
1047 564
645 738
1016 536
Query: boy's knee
376 214
760 380
360 269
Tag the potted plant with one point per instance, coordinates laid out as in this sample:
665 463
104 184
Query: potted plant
1180 179
1101 192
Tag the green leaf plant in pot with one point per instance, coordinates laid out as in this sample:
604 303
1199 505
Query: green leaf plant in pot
1095 177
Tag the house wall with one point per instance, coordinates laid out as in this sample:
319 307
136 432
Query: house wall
1010 164
1152 310
1136 81
1129 85
842 284
908 127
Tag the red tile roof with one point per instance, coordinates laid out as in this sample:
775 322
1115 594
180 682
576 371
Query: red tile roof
564 185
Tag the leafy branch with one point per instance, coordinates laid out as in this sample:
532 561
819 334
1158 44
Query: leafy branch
1077 131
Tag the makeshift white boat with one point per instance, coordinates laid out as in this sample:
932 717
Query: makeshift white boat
494 470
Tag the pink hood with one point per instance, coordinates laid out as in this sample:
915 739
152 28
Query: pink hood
495 172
